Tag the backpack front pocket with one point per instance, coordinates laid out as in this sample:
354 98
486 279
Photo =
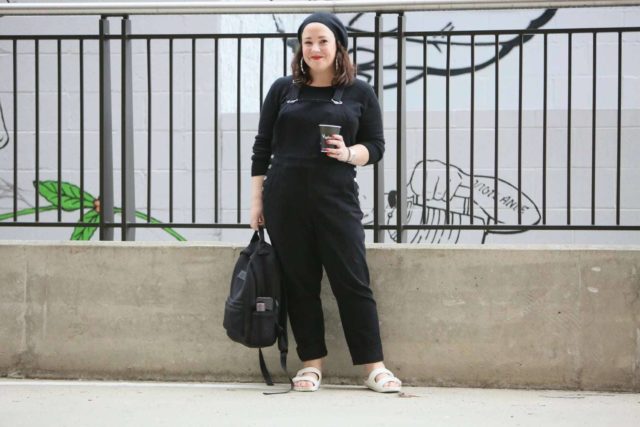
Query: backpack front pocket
263 328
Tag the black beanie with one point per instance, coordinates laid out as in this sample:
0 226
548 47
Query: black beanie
331 21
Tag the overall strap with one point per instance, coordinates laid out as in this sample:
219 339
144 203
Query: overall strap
292 93
337 95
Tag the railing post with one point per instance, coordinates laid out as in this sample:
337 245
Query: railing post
378 168
128 187
106 153
401 135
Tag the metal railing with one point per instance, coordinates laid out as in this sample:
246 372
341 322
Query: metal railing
99 212
289 6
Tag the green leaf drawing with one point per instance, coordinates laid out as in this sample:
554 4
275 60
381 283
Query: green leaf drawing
85 233
153 220
71 198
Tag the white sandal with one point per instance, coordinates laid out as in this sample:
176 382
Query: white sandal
379 385
312 379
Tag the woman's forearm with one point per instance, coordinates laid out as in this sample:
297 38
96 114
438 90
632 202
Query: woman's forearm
361 155
256 188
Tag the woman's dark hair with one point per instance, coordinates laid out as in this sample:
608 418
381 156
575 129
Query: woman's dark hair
345 70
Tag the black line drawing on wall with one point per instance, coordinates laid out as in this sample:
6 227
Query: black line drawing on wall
6 193
433 211
415 72
4 134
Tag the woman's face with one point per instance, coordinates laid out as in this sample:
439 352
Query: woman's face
318 47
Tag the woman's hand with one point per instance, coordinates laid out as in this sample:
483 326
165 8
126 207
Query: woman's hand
256 218
340 152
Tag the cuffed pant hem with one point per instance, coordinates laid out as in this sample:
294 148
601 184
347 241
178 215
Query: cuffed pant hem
312 352
369 358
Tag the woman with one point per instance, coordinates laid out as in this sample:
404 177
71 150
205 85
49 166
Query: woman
308 200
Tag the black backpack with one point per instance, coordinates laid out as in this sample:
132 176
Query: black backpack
255 313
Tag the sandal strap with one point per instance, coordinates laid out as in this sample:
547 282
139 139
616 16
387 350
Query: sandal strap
385 380
378 371
300 375
312 380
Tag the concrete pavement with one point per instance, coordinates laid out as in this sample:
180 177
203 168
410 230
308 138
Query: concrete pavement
36 403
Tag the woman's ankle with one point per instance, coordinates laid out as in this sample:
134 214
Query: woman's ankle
369 367
314 363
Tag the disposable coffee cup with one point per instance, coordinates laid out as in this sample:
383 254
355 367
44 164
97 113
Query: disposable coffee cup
326 131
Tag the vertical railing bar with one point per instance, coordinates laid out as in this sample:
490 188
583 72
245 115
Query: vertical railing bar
261 72
593 132
123 129
15 130
102 113
448 131
193 130
496 121
424 130
59 55
472 126
284 56
520 60
215 133
355 52
401 176
37 153
619 129
81 130
238 131
128 214
378 168
544 135
106 126
171 130
149 129
570 48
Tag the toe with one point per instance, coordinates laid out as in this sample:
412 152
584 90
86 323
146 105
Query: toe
390 383
304 384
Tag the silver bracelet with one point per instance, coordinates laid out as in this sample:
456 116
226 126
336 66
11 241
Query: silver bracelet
352 155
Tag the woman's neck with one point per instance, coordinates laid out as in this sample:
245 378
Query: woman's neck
323 79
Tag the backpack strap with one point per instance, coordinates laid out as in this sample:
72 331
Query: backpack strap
263 368
283 346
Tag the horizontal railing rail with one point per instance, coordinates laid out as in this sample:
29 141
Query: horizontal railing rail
287 6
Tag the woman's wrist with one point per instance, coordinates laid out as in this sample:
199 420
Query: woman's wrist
352 155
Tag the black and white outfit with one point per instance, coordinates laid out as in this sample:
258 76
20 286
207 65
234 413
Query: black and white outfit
311 208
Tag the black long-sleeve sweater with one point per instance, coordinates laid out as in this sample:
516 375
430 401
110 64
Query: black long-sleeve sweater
359 101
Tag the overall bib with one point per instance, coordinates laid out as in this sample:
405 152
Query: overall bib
313 216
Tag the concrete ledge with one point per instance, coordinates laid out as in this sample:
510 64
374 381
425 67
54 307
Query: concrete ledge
473 316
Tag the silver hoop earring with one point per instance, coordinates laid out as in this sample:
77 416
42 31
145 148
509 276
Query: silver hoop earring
336 63
302 66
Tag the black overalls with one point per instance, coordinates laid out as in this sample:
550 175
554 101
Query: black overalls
313 216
